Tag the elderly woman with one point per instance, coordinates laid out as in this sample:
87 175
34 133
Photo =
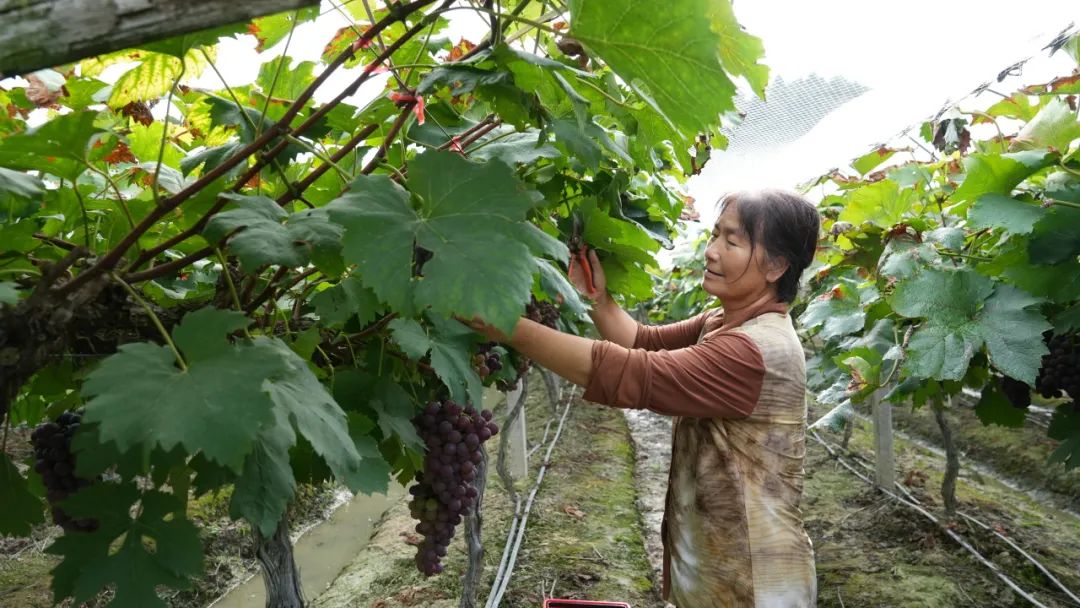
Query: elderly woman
733 379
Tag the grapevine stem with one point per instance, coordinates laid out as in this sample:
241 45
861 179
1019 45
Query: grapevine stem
119 197
274 81
345 175
228 279
966 256
165 132
1062 203
153 317
388 139
85 217
265 293
341 153
251 123
163 269
1069 169
378 37
55 242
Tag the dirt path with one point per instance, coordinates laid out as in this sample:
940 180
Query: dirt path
651 434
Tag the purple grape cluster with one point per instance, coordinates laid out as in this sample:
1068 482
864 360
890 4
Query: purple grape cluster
56 465
544 313
444 490
487 361
1060 367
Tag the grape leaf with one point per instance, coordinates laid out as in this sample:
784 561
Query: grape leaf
266 486
999 173
297 393
867 162
1056 237
340 302
200 334
56 147
14 184
144 142
376 469
273 29
9 293
139 397
469 215
1013 328
995 210
133 555
542 243
1065 427
882 203
394 409
179 46
964 311
21 509
451 343
994 408
211 157
154 76
461 79
259 237
836 316
904 257
942 348
740 52
411 337
514 148
556 285
676 58
287 81
1054 127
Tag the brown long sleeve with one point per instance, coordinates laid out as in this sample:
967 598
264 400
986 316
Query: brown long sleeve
673 335
719 378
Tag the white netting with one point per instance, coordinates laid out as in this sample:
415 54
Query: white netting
844 80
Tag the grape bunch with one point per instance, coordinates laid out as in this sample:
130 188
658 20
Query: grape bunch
1018 393
56 464
1060 368
487 361
544 313
444 490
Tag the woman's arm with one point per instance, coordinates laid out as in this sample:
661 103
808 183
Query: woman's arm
567 355
611 320
613 323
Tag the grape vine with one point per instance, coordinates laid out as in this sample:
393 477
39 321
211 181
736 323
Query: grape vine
951 265
254 285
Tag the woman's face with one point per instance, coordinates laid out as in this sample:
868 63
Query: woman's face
732 272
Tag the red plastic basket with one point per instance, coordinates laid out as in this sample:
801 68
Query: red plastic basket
557 603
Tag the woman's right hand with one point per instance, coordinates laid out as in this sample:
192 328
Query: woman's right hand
587 275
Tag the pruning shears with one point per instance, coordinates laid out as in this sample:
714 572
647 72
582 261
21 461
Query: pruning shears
579 251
